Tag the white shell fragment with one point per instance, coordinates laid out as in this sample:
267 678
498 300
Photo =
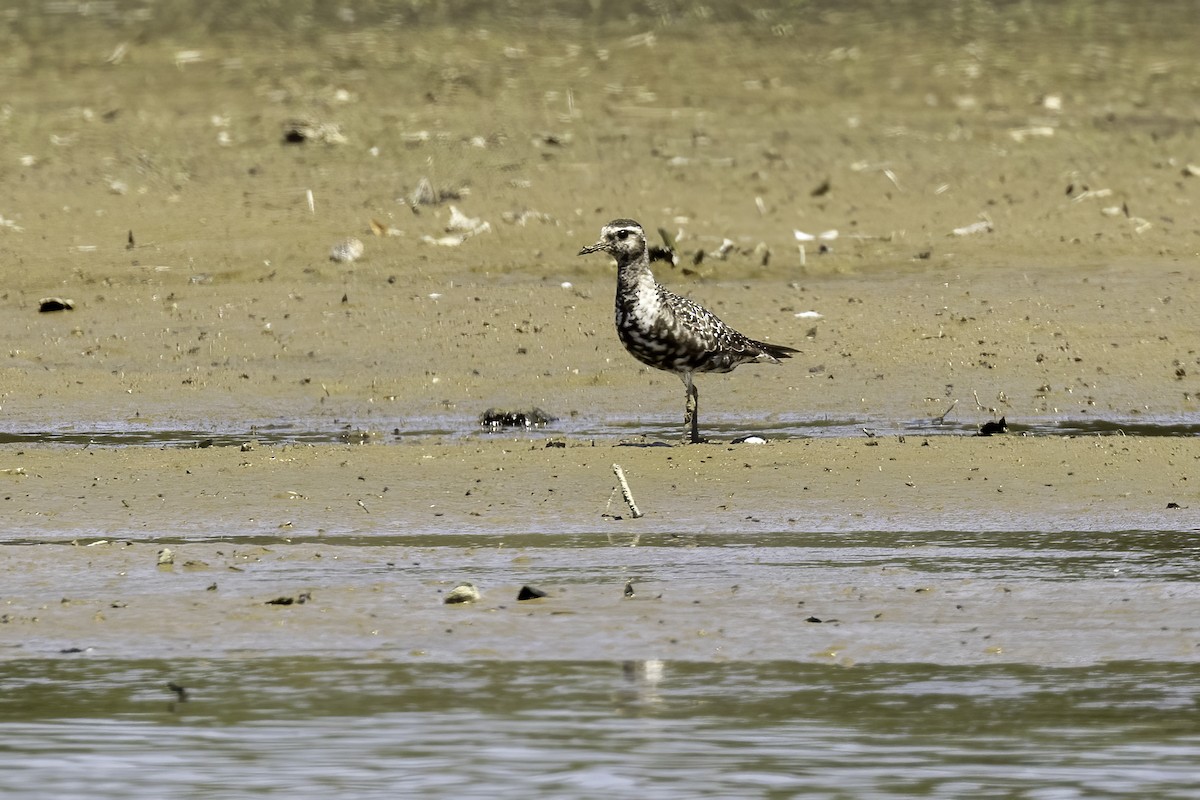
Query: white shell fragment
1035 132
461 223
983 226
444 241
825 236
347 250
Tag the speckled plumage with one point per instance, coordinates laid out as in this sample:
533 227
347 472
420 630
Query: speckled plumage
669 332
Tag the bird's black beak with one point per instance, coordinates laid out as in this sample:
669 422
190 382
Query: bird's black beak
592 248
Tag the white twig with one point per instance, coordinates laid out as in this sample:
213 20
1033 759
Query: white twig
625 491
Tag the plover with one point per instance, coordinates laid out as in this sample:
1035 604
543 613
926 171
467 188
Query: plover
669 332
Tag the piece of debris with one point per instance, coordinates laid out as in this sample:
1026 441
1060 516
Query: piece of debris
530 593
629 589
463 593
180 691
166 557
626 492
501 418
994 427
302 131
346 250
299 600
47 304
749 439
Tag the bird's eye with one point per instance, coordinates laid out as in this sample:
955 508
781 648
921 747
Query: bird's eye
622 234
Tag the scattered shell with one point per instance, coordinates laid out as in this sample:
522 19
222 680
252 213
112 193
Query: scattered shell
188 57
55 304
1191 171
525 217
463 593
444 241
1092 194
347 250
166 557
1037 131
983 226
426 195
461 223
825 236
381 229
750 439
809 315
423 195
725 249
118 54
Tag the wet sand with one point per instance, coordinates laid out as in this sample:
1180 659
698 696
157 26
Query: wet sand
1072 305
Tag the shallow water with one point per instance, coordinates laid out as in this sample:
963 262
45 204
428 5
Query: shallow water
309 727
458 428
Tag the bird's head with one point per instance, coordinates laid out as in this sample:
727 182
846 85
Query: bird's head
623 239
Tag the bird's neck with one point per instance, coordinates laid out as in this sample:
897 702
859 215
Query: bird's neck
635 282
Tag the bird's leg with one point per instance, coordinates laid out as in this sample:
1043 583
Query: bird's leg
691 413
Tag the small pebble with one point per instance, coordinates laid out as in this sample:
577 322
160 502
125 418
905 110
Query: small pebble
463 593
347 250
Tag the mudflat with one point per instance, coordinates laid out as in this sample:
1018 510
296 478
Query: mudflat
952 228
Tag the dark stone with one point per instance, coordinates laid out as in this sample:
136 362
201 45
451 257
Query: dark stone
530 593
55 304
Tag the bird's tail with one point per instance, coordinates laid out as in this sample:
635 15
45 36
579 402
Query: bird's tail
776 351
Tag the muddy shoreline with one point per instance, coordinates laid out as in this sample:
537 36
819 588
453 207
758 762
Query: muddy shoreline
1015 237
